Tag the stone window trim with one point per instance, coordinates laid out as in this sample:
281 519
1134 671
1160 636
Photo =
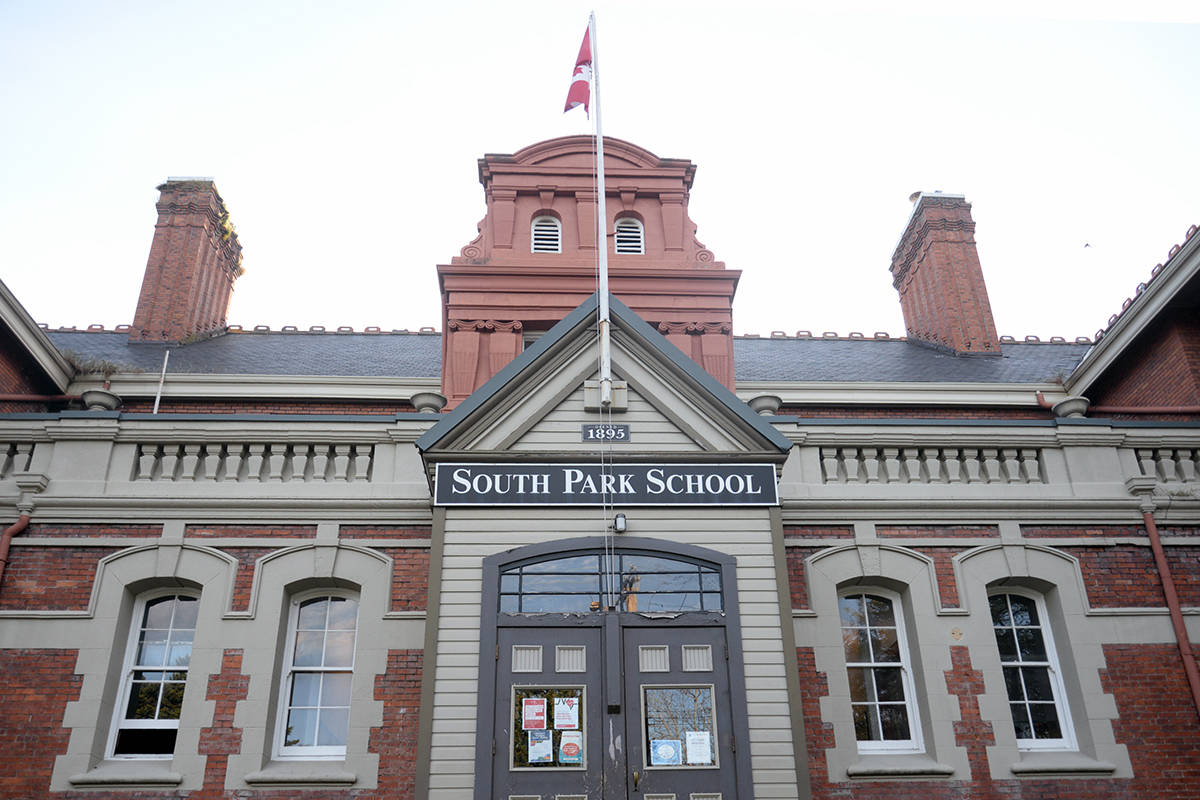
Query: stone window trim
131 669
1053 673
914 743
319 676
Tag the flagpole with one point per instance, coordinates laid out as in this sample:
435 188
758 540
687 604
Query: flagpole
601 229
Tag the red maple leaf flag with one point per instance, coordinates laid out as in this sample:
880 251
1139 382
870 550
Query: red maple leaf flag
580 93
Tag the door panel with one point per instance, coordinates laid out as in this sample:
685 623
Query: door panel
678 714
543 747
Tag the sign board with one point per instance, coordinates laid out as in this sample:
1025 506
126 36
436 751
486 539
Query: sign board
586 484
616 434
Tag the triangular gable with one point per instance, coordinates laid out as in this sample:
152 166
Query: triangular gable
543 378
34 344
1175 284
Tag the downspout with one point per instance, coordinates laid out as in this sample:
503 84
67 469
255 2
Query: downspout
6 541
1168 584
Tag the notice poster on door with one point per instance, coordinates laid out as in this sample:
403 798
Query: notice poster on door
666 752
533 717
699 747
566 713
541 747
570 747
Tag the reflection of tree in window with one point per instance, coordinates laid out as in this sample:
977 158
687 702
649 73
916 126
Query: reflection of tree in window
1029 675
630 581
672 713
875 666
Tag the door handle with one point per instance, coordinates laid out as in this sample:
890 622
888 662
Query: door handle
636 777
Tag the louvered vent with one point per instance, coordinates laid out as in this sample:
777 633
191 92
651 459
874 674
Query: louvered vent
546 233
629 236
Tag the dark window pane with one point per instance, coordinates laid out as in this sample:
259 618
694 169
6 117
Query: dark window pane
1045 721
172 701
145 742
879 611
306 687
885 646
557 603
861 685
158 613
1037 683
893 722
301 727
331 728
1024 610
889 685
1007 644
852 611
572 564
309 645
1020 719
998 603
866 724
1012 683
186 609
312 615
343 614
560 583
854 642
143 701
1032 648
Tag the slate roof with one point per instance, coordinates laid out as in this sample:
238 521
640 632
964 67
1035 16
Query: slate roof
412 355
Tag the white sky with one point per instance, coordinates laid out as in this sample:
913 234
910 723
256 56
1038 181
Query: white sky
344 138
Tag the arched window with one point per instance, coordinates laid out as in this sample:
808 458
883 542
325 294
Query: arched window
634 581
630 236
1032 677
877 665
155 674
545 235
319 668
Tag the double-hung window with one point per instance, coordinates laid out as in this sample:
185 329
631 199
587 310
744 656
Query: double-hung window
154 676
877 665
319 666
1032 677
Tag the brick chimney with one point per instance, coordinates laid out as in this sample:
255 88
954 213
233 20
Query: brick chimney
194 259
936 270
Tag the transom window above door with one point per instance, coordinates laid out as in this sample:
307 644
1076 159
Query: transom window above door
579 584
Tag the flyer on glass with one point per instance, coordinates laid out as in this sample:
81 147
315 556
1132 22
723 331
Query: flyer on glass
570 747
699 747
541 747
566 713
533 713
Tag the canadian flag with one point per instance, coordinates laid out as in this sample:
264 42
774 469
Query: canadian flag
580 93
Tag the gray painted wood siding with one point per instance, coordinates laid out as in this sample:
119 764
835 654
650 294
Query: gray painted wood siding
650 429
472 534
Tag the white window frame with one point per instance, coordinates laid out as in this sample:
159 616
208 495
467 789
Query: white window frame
128 667
635 223
1067 741
288 671
915 743
533 233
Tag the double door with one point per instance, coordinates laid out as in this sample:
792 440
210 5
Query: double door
615 706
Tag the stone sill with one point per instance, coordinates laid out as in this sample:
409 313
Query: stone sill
898 766
1060 763
128 773
324 773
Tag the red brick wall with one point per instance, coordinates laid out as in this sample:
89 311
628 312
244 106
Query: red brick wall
1164 371
185 405
38 684
246 557
49 578
936 531
59 531
796 579
410 577
1125 576
383 532
818 531
250 531
1076 532
943 566
396 740
1158 724
17 375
